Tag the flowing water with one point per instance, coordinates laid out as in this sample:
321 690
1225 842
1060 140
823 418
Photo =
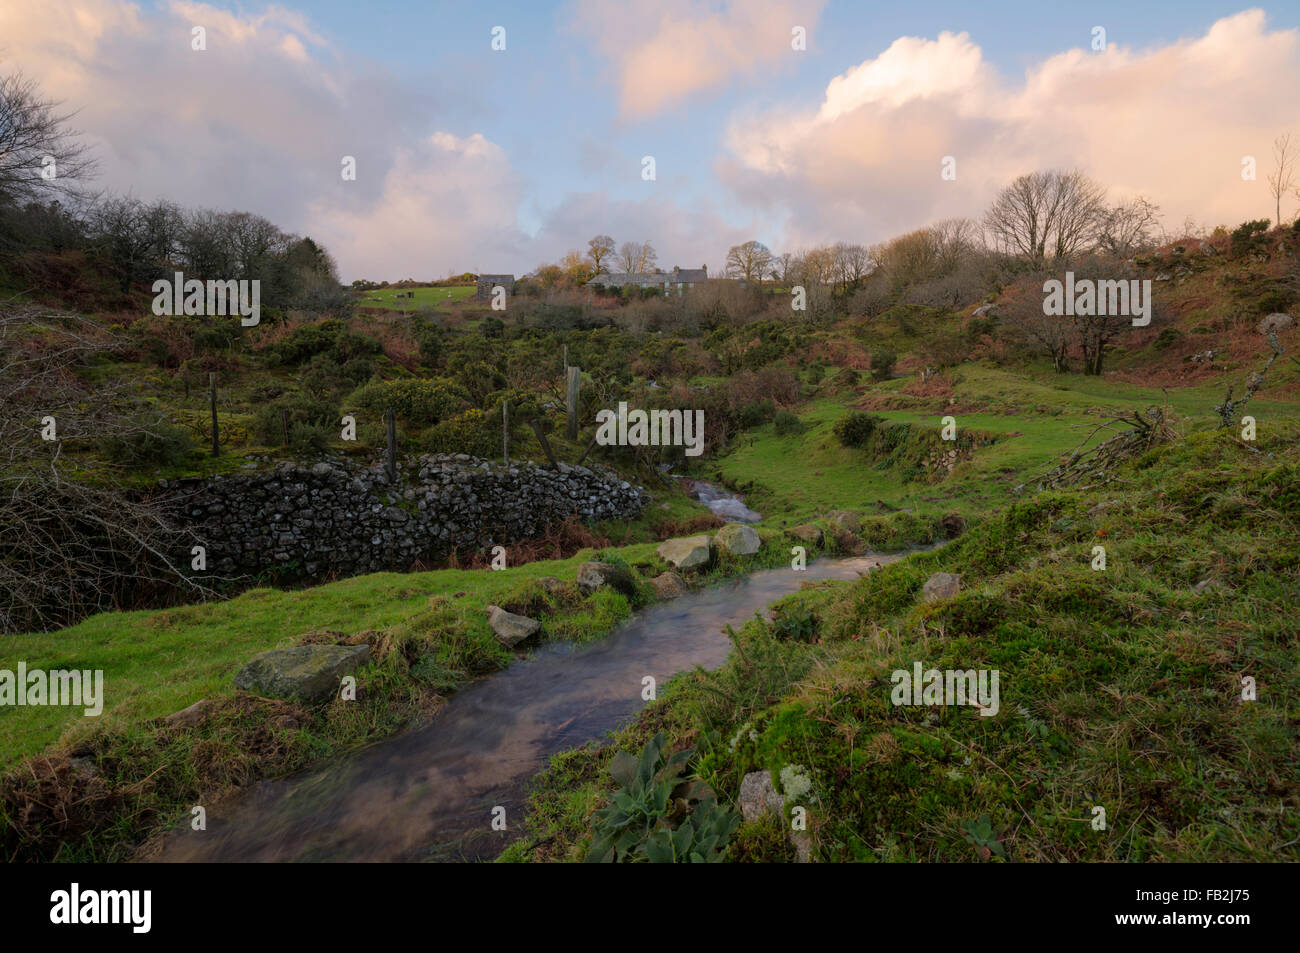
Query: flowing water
724 504
428 794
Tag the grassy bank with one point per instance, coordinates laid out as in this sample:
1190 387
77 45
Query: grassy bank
103 784
1121 689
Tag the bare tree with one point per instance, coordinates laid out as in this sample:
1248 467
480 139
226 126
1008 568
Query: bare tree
1047 215
852 264
69 546
39 156
1025 324
750 261
636 258
1282 179
599 249
1128 228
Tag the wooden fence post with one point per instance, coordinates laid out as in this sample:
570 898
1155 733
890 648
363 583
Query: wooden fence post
505 431
212 401
390 428
571 401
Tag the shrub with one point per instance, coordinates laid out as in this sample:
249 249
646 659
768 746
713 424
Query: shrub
856 429
151 441
310 423
1245 237
421 401
471 432
1167 338
847 377
787 424
755 414
882 364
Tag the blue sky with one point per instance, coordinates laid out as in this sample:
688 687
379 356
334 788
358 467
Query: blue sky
475 159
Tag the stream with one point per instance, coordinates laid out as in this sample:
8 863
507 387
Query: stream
725 505
428 794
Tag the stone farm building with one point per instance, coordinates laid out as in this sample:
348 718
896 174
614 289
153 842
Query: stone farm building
487 282
679 279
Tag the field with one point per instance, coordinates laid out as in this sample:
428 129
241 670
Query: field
423 297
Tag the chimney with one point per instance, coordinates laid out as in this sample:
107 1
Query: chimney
676 270
705 269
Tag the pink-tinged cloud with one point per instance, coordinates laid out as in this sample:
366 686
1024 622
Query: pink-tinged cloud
1170 122
667 51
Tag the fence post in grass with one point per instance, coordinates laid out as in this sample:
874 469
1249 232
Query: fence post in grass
212 401
571 401
505 431
390 455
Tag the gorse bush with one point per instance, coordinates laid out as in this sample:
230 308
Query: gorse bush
882 364
787 424
420 401
147 441
471 432
1246 236
856 429
755 414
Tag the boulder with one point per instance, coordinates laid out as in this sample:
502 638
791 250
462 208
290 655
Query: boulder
594 575
196 714
689 552
310 673
738 539
1275 322
759 796
942 585
849 542
511 629
807 533
953 525
844 519
669 585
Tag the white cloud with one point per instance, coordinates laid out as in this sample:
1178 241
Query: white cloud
1169 122
666 51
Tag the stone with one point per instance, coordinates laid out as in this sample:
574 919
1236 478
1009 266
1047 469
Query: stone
759 796
688 552
669 585
738 539
310 673
196 714
942 585
844 519
595 575
1275 322
511 629
953 525
849 542
807 533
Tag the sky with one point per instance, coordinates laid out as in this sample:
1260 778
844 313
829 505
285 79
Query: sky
473 158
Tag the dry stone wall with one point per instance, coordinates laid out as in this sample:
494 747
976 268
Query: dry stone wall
342 519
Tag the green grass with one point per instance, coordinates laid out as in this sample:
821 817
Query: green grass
157 662
1120 689
424 297
1037 417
